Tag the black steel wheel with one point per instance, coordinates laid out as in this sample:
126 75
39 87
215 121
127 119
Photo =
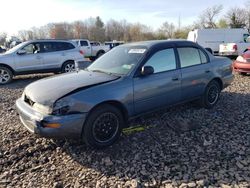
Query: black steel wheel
211 95
103 126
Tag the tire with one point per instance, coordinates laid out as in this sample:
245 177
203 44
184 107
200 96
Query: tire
6 75
99 54
243 73
68 66
211 95
98 132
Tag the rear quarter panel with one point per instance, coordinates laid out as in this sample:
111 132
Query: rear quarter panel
222 68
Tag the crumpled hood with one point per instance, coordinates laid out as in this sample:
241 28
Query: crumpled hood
47 91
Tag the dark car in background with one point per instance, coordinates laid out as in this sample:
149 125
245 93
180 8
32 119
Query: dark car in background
95 104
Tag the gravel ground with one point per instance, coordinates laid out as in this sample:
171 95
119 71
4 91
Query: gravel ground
215 153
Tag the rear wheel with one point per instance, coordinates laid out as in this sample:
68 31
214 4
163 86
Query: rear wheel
6 75
211 95
68 66
103 126
99 54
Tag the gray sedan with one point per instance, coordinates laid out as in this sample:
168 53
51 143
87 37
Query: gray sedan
94 104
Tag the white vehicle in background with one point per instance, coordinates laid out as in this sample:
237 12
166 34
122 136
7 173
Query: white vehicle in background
39 56
234 48
212 38
91 50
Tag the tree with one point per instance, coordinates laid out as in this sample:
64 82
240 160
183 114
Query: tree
167 30
236 17
207 19
222 23
247 10
3 37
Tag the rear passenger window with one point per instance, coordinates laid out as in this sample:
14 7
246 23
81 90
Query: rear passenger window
203 57
189 56
84 43
163 60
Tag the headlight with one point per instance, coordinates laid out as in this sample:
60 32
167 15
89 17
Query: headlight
241 59
62 106
42 108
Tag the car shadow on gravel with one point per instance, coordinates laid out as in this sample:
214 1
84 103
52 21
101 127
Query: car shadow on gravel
214 152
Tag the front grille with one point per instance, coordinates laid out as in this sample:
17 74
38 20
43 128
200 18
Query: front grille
28 100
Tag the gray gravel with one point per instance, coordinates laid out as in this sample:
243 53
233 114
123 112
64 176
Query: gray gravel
215 153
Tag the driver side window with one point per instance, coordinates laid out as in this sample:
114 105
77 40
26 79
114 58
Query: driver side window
163 60
32 48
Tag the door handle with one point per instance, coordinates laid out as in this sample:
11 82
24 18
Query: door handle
175 79
207 71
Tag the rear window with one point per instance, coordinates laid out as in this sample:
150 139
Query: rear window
84 43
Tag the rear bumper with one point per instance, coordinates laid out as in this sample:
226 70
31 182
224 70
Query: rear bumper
70 125
241 67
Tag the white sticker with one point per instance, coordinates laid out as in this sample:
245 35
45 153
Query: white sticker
136 51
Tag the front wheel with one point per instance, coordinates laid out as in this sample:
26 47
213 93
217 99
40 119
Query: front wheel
211 95
5 75
103 126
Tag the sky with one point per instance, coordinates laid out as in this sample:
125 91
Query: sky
24 14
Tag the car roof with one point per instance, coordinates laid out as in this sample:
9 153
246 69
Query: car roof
151 43
50 40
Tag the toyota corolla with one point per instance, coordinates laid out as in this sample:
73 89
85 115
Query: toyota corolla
95 104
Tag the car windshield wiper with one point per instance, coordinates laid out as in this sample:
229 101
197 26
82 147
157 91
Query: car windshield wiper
109 73
101 71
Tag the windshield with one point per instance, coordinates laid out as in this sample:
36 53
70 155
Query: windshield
119 60
15 48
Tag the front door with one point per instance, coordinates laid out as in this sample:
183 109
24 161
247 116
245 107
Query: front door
31 60
161 88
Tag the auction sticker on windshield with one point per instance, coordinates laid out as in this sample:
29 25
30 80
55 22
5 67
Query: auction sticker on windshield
136 51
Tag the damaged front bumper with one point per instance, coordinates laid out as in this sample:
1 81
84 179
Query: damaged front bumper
68 126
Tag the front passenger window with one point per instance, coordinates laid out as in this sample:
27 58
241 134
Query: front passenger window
163 60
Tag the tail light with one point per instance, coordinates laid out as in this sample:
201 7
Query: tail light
81 52
235 48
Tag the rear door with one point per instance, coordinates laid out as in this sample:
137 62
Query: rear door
160 88
55 54
31 60
195 71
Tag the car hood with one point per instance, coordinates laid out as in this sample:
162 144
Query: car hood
47 91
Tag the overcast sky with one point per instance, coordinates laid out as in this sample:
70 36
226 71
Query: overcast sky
24 14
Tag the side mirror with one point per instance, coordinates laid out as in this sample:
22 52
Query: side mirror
21 52
147 70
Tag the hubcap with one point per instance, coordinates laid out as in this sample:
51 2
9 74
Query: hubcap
4 76
105 127
70 68
213 94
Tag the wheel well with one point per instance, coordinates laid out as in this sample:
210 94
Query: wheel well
7 66
68 61
219 82
100 51
116 104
